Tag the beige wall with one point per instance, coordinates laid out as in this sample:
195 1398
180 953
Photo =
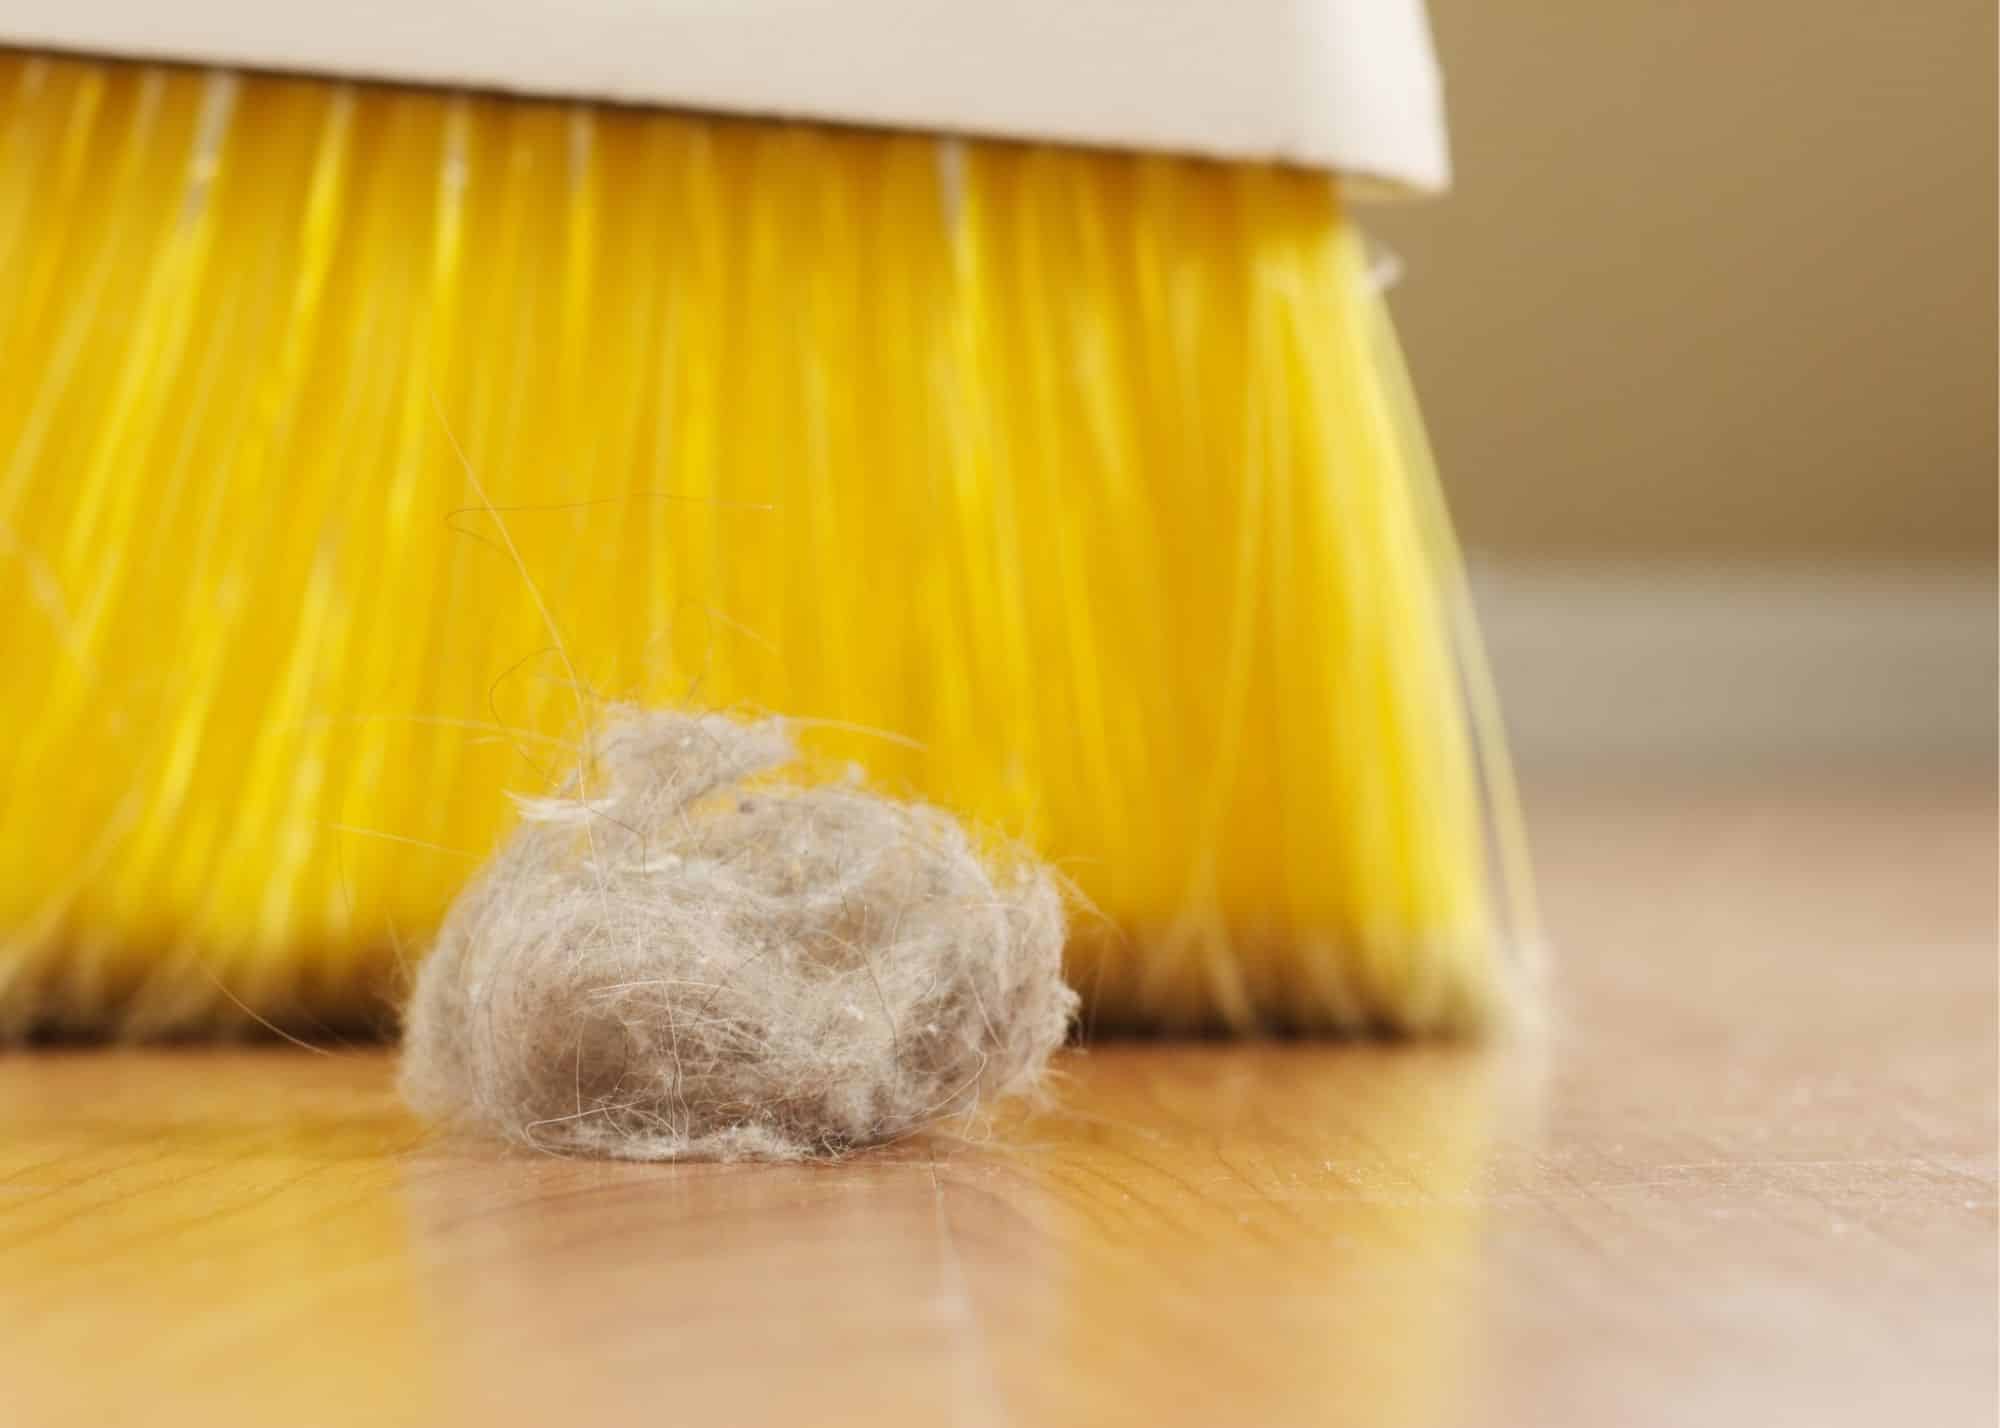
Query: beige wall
1717 279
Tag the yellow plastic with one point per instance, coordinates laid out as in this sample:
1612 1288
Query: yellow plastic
1079 492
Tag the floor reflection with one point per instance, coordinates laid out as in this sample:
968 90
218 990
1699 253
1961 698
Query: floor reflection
1278 1234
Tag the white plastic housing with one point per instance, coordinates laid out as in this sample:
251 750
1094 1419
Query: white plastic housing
1349 85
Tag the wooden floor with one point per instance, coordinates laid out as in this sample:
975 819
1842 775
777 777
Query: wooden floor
1747 1178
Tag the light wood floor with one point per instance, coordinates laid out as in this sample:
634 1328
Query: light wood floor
1747 1178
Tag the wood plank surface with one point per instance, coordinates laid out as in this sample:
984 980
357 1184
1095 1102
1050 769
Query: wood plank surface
1746 1176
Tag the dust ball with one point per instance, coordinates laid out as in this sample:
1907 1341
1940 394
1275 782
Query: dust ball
700 963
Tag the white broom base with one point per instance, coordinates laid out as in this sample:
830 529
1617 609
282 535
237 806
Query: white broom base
1345 85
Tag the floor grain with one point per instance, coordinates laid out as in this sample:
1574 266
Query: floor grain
1747 1176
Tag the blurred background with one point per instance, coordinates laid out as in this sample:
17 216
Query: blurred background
1705 336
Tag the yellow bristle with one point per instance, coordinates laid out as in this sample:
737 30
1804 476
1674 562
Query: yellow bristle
1091 478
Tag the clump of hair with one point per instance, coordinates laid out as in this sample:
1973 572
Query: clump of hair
699 963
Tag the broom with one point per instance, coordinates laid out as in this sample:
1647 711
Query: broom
1066 476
